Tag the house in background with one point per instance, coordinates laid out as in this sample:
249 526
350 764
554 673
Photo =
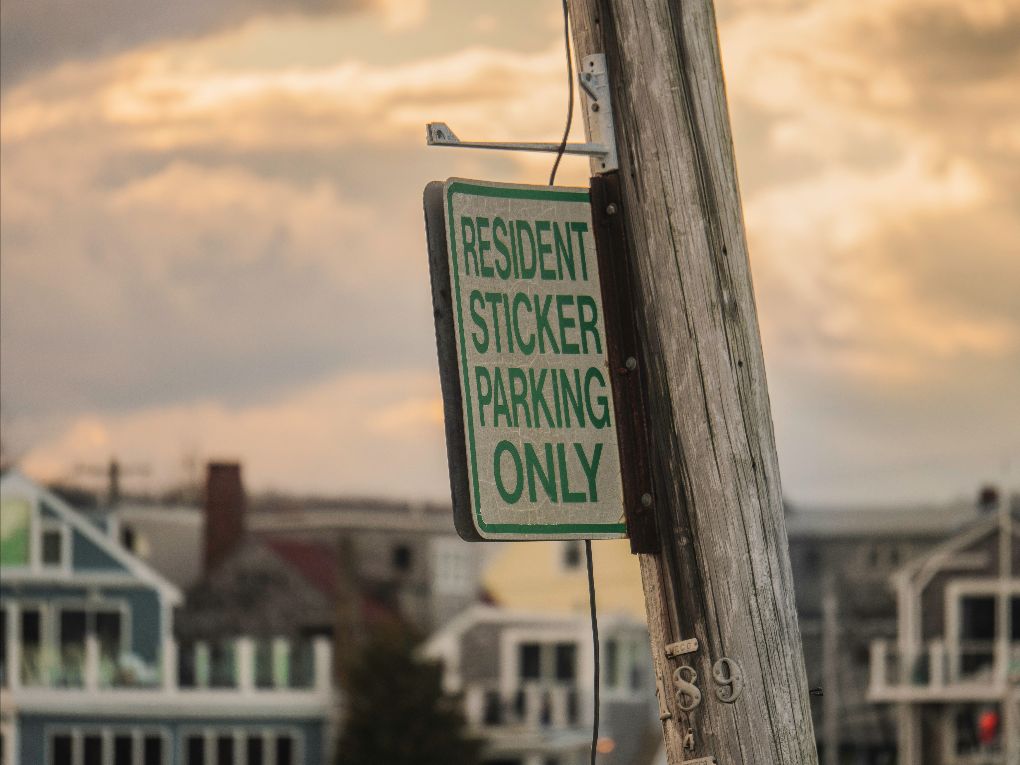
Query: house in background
952 673
92 673
842 559
551 577
166 536
527 687
403 556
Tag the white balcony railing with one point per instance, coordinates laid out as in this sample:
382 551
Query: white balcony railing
966 671
241 664
533 706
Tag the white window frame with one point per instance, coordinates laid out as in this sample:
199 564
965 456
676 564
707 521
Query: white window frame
452 567
37 524
510 656
241 734
90 606
630 653
51 524
108 733
46 643
959 589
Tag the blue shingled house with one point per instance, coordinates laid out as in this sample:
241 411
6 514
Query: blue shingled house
91 674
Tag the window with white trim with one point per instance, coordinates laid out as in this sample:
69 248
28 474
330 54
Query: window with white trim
108 746
53 547
547 661
30 635
978 632
230 746
624 664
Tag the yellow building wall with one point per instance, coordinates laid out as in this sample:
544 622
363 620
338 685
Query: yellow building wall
530 576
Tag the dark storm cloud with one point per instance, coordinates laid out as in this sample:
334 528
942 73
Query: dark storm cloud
38 34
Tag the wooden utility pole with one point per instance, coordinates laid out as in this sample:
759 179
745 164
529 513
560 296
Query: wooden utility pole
723 574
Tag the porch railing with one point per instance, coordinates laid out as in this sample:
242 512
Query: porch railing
242 664
940 665
532 705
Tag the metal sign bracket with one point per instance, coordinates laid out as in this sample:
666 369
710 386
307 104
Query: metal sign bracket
601 145
624 351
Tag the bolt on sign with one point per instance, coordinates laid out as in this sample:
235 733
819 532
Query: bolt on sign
530 423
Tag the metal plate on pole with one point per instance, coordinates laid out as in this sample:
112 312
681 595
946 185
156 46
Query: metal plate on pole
527 389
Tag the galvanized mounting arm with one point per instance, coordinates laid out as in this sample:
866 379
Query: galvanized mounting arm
601 147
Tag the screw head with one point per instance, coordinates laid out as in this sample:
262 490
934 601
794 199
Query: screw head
611 207
594 107
646 500
630 363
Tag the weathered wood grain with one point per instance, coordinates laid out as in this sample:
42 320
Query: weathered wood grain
723 575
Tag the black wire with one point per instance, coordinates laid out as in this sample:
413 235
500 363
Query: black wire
587 543
595 644
570 97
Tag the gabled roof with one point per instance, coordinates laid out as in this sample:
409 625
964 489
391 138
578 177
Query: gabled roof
932 520
453 630
930 560
14 482
253 591
315 562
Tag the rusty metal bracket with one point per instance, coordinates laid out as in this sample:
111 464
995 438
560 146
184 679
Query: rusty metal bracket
626 370
673 650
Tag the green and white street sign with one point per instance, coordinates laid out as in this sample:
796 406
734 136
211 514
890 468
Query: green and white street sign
531 429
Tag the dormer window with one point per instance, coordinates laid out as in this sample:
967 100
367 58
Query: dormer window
51 545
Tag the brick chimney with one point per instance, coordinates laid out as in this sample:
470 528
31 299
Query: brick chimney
224 511
988 499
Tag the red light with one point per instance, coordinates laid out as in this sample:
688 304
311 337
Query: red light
988 727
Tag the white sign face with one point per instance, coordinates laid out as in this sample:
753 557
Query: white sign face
540 430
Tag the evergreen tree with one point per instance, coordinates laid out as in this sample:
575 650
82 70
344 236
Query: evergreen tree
395 712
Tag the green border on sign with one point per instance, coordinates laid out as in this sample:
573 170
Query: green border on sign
505 193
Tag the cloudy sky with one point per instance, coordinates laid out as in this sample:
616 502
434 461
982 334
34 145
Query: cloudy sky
212 239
